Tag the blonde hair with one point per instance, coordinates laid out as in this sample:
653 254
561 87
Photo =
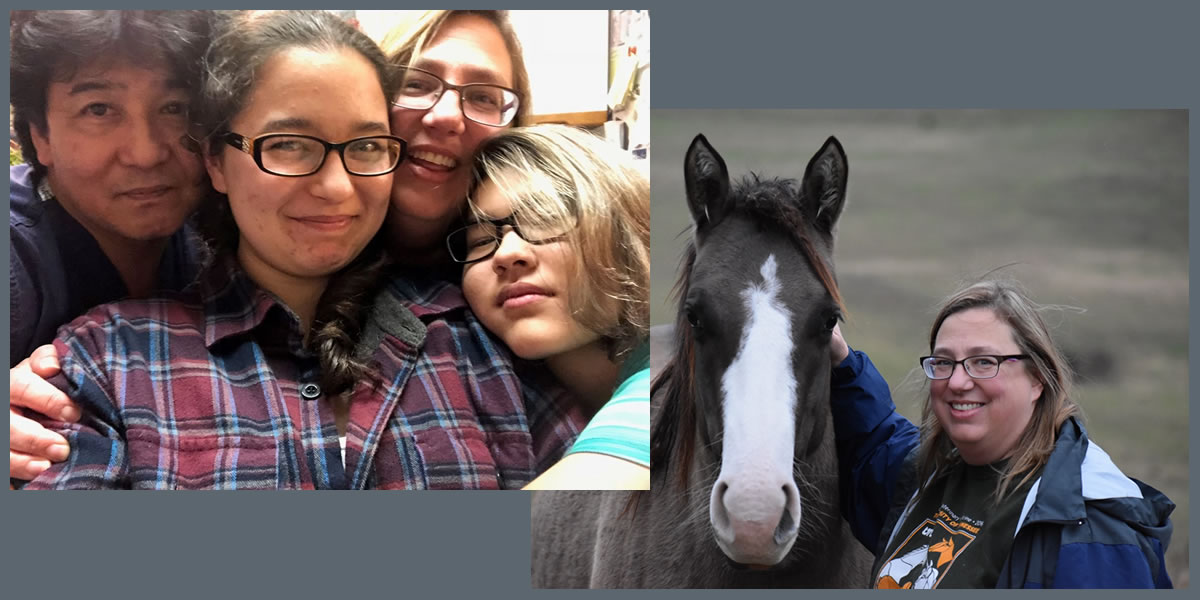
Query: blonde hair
1046 362
404 44
562 178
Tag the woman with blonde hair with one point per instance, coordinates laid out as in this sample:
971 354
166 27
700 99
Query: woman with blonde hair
556 263
1001 449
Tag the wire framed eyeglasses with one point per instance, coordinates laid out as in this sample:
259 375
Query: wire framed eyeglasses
982 366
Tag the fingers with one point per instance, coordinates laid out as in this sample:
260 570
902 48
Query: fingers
838 349
44 361
23 466
31 391
26 436
32 447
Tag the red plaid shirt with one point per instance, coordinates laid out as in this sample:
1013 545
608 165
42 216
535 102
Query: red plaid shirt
212 388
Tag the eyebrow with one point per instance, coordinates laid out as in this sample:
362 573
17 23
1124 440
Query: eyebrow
302 124
473 73
973 351
91 85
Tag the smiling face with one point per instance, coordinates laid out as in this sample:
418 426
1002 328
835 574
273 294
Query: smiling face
311 226
521 292
431 185
112 150
984 418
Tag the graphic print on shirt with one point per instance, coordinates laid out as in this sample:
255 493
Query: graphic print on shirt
923 559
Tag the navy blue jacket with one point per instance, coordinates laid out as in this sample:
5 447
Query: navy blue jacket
1084 524
57 270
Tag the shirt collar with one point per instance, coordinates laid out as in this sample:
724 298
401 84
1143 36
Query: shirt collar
637 360
235 305
426 296
44 193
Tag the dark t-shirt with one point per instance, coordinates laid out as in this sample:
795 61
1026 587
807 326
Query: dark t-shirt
956 536
57 270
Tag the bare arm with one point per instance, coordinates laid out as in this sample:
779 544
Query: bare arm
592 471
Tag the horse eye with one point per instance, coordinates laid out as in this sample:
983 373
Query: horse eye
831 322
693 319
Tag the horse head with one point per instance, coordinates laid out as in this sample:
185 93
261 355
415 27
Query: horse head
758 303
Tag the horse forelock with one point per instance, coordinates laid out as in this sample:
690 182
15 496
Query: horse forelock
776 202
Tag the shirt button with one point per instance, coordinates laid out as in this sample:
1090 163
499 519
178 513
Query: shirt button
310 391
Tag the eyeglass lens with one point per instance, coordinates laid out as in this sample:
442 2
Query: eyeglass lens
481 102
301 155
480 240
980 367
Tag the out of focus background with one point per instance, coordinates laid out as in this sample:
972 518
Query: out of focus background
1088 209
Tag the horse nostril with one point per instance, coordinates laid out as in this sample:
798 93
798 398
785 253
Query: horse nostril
789 522
720 516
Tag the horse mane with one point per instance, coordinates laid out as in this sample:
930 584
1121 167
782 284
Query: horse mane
771 202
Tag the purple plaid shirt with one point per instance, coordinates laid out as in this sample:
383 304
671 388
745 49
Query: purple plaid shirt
213 388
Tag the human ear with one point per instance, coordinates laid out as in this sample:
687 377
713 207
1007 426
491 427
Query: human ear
41 143
215 167
1035 391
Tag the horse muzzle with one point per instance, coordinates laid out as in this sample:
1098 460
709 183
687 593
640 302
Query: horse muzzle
755 519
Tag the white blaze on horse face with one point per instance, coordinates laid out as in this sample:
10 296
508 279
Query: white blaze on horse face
755 506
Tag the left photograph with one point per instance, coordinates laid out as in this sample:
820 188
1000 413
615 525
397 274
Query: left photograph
329 249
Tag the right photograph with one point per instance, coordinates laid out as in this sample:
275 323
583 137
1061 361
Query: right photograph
905 349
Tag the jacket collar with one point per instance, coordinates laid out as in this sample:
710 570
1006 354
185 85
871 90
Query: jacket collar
1078 472
1058 494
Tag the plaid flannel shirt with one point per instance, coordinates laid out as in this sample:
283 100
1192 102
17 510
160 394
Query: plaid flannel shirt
214 389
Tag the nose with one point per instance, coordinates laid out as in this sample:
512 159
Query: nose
959 380
332 182
513 252
446 114
146 144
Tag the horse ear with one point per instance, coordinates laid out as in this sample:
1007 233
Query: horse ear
707 182
825 185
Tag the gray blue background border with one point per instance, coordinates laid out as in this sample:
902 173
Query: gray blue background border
749 54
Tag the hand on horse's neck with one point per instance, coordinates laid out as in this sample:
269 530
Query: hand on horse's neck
587 373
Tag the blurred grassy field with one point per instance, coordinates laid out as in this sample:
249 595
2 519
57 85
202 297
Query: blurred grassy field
1091 206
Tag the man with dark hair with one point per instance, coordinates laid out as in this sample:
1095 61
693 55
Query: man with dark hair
100 108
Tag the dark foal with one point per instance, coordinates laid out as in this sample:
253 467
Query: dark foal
744 489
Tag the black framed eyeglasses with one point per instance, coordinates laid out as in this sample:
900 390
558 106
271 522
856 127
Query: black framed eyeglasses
982 366
296 155
484 103
480 240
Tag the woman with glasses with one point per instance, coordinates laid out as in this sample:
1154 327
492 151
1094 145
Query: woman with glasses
1000 486
268 373
462 80
555 261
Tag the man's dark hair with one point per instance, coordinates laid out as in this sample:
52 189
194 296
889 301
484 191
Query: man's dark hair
51 45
